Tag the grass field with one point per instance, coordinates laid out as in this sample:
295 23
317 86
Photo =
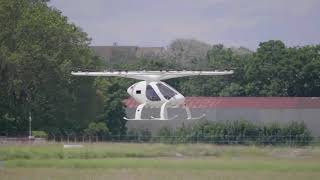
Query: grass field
158 161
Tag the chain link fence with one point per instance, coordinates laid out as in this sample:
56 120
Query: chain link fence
223 139
297 140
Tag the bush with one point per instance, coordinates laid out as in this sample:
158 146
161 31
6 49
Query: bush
238 132
139 135
297 133
96 129
165 135
39 134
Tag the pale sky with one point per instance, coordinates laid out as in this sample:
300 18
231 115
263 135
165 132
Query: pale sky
230 22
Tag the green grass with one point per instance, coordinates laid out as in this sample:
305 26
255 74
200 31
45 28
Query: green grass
147 174
109 150
172 164
158 161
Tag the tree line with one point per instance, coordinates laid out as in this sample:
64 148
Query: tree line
39 48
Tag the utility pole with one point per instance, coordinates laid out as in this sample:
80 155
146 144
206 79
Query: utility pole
30 131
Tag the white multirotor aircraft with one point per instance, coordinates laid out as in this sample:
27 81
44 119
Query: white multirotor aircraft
152 92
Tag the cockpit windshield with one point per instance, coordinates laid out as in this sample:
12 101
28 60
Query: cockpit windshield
151 94
166 91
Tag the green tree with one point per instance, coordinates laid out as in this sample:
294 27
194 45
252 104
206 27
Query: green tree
38 50
276 70
262 72
112 91
188 53
95 129
233 89
303 73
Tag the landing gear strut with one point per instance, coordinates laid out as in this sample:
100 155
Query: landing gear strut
163 114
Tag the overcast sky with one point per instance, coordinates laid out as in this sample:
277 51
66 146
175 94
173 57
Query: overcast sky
230 22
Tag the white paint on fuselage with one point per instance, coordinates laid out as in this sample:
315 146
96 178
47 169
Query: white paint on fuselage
141 98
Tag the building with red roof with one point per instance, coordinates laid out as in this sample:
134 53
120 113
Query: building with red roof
255 109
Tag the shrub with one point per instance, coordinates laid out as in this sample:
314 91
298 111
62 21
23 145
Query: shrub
238 132
39 134
139 135
297 133
166 135
95 129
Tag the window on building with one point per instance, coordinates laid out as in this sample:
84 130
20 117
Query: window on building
151 94
166 91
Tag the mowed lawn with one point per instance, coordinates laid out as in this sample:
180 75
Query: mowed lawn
158 161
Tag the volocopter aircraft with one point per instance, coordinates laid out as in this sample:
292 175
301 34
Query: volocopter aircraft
152 92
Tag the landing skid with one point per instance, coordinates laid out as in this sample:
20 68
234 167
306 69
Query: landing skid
151 119
163 114
163 119
128 119
159 119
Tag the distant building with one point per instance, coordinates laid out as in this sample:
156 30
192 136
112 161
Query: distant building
255 109
125 54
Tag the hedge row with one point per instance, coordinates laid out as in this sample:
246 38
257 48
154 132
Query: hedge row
229 132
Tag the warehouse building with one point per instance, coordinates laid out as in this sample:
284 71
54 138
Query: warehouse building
259 110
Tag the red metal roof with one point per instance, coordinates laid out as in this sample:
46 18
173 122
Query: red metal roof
245 102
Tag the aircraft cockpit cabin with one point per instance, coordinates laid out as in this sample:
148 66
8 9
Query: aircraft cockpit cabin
153 91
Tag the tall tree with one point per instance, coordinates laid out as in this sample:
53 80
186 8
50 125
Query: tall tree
38 50
188 53
111 92
263 72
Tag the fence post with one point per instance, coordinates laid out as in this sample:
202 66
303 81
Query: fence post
228 139
290 139
196 139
